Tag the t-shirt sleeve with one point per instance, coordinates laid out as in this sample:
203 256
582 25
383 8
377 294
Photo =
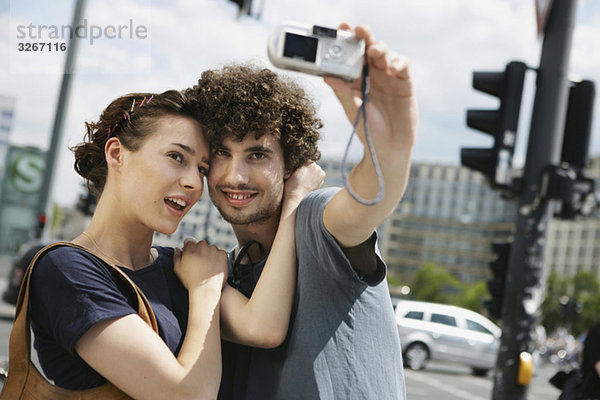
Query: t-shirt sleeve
313 239
70 291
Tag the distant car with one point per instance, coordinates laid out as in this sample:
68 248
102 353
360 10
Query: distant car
430 331
20 263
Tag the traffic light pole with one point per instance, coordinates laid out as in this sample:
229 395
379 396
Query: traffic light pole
57 128
523 293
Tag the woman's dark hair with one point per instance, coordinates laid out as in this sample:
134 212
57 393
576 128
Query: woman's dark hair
244 99
130 118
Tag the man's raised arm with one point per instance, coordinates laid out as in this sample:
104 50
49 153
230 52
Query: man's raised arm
392 120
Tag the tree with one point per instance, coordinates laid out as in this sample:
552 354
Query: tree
586 293
552 311
472 296
571 301
435 284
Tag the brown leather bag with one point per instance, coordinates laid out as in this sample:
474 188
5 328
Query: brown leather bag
24 381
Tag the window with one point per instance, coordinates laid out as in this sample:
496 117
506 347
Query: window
477 327
443 319
414 315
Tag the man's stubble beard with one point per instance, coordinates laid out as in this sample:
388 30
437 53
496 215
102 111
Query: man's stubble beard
261 215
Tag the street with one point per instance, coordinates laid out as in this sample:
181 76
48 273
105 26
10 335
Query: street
455 382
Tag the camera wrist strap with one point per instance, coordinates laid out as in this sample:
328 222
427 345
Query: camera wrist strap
363 111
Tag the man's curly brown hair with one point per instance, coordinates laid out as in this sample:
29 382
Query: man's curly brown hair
242 99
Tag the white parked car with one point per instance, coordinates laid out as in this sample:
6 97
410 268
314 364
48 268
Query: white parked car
430 331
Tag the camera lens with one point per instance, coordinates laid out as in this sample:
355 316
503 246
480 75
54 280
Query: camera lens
335 51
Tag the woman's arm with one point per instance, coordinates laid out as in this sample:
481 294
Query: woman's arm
262 320
128 353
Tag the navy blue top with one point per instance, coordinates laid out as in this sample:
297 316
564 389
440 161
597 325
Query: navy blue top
71 290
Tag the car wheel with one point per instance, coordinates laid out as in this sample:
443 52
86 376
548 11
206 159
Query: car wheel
479 371
416 356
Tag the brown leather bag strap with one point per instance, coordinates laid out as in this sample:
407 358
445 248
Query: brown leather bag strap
20 337
24 381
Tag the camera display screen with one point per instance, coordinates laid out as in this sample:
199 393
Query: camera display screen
298 46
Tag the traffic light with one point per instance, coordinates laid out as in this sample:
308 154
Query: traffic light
42 219
578 124
496 162
86 203
496 285
567 182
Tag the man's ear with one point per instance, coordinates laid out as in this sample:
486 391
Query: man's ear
113 151
286 175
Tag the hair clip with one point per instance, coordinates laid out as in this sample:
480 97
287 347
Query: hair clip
130 111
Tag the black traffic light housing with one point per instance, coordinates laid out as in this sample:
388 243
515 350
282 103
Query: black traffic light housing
578 124
567 182
42 219
86 203
496 162
497 284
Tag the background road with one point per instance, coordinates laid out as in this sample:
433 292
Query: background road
455 382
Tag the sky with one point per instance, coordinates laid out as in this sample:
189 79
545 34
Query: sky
167 44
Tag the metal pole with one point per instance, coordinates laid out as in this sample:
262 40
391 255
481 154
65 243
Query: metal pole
523 292
59 116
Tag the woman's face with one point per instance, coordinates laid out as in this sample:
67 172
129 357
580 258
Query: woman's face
164 178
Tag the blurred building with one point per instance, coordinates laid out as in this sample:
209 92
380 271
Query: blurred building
21 185
7 109
21 174
68 223
449 216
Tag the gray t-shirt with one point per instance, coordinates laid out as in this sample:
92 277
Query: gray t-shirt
342 342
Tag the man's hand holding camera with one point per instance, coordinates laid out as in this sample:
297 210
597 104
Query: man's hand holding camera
391 113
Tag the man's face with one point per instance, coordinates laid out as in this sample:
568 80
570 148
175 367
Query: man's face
246 179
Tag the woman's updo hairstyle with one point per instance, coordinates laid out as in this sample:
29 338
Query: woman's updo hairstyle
131 119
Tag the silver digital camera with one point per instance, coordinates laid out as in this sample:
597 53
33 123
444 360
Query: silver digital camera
317 50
